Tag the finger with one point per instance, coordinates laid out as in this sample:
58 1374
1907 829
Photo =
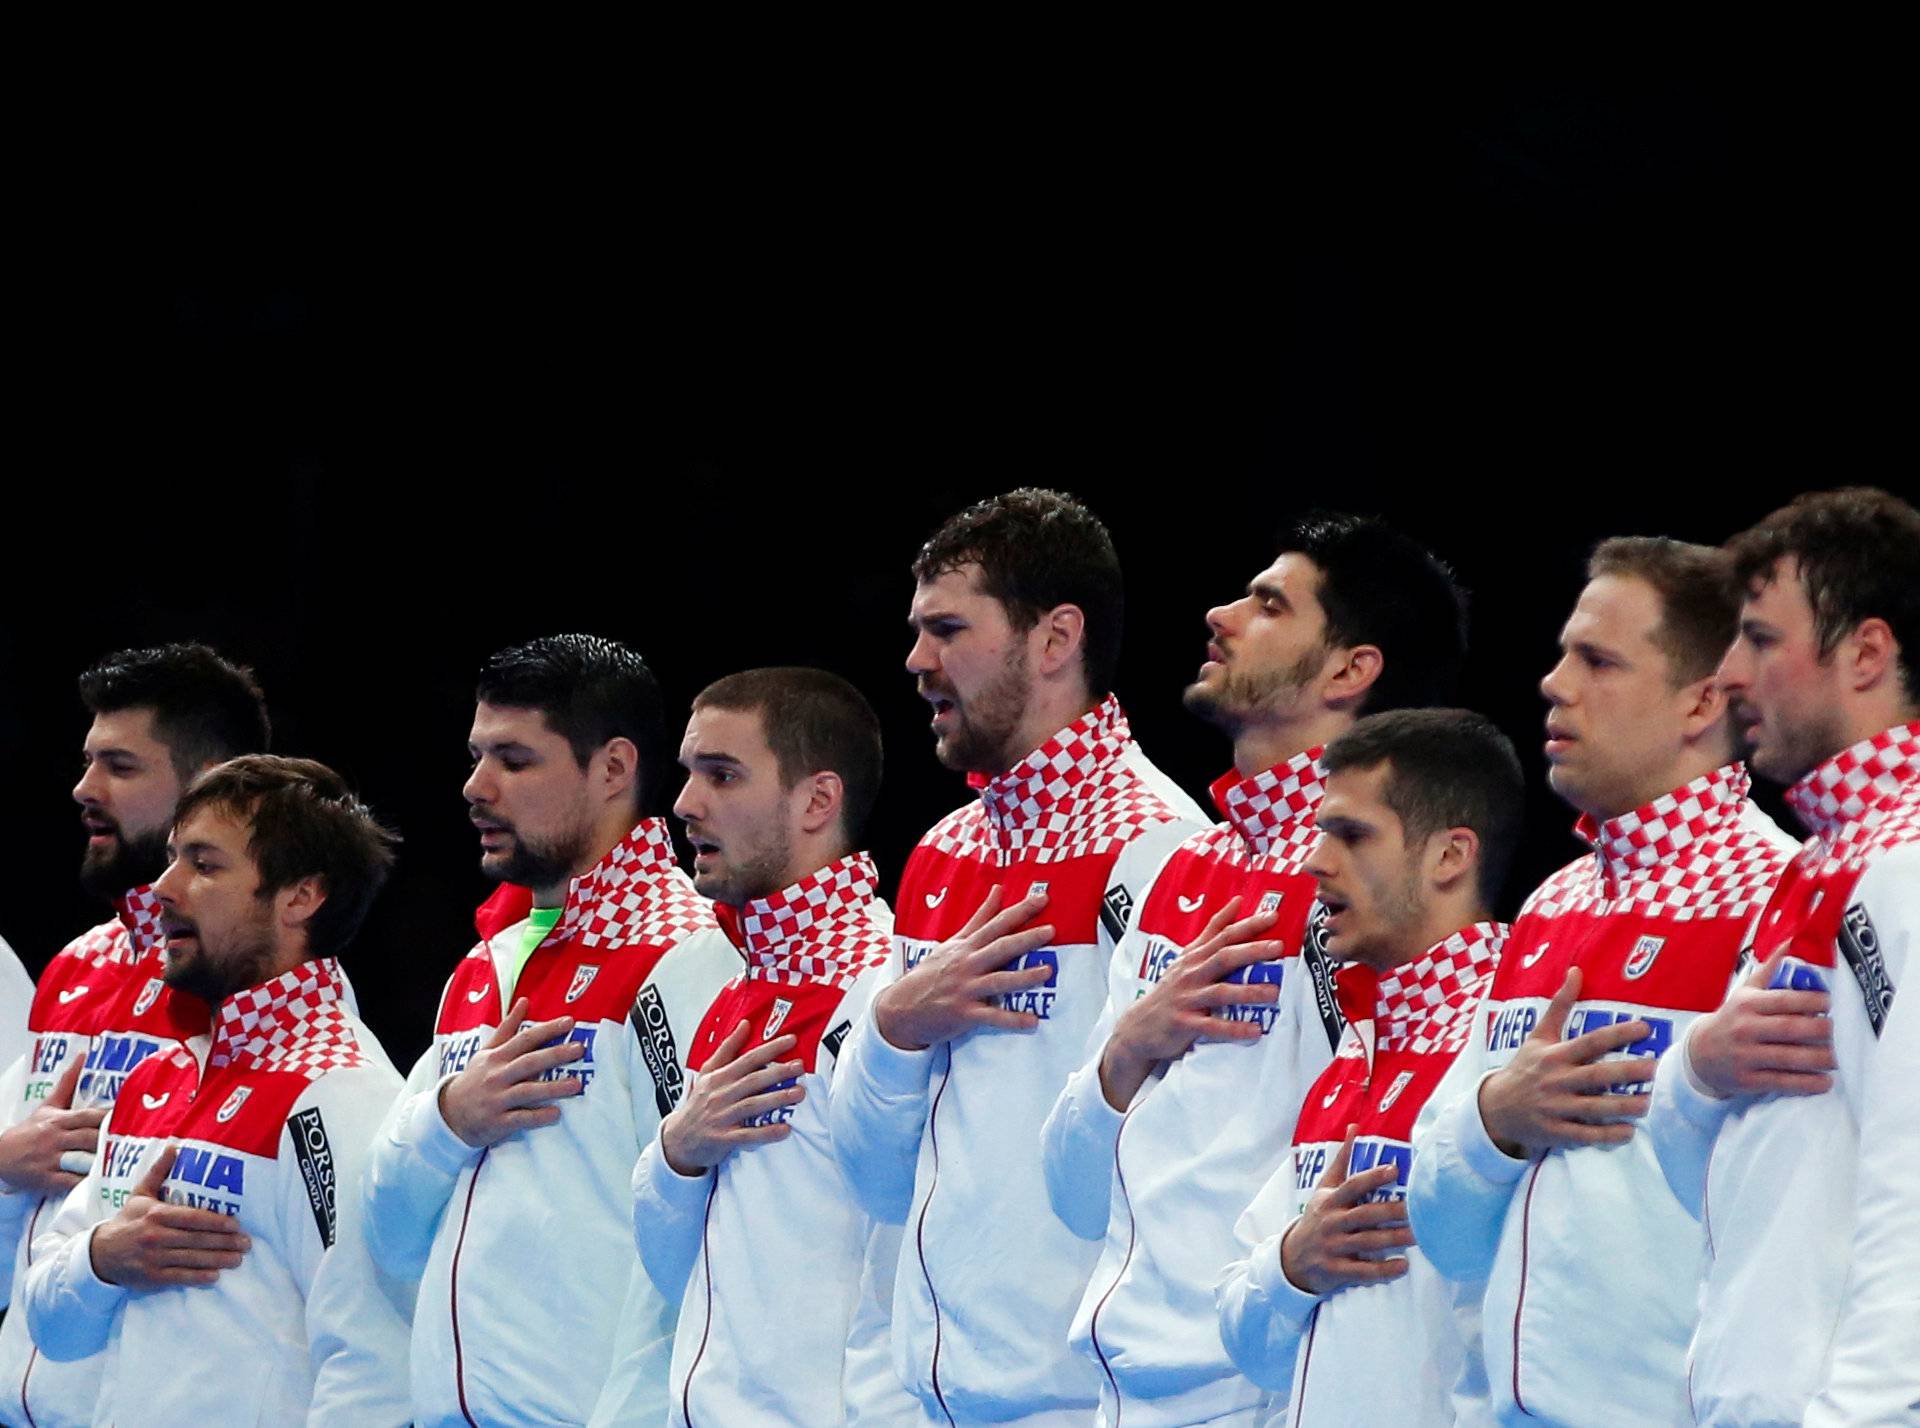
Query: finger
1553 1022
729 1047
1005 948
756 1106
60 1098
1352 1189
1237 994
531 1065
82 1120
83 1138
1560 1134
1764 974
1785 1083
1600 1076
1011 920
536 1034
509 1024
1218 923
1232 956
1799 1059
1220 1028
1778 1023
540 1093
1372 1242
162 1278
998 984
1342 1158
989 905
760 1057
1374 1215
198 1259
764 1079
156 1176
1590 1046
65 1178
200 1242
755 1135
521 1118
191 1220
999 1018
1601 1109
1367 1271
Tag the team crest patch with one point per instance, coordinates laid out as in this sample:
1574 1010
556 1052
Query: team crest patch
1641 958
583 976
1269 901
149 994
233 1105
781 1007
1400 1083
1037 890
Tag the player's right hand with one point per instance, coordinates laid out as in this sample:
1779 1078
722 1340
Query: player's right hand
500 1090
1183 1006
1335 1241
958 985
1764 1041
31 1152
150 1244
1556 1093
712 1119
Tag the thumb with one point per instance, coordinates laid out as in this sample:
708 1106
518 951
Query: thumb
1764 974
1553 1023
152 1183
510 1024
1337 1172
61 1097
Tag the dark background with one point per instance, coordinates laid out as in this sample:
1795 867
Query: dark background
359 443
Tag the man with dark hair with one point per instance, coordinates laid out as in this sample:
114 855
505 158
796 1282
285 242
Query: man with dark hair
1591 1266
1417 830
1220 1010
1800 1088
560 1043
214 1253
159 716
741 1211
938 1100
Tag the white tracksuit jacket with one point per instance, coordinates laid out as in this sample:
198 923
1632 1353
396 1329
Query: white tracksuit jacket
272 1116
1811 1308
1405 1352
1161 1187
948 1140
765 1252
101 1000
525 1249
1592 1266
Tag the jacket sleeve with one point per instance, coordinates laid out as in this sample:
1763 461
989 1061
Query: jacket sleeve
411 1168
1262 1313
877 1111
16 999
1874 1374
1077 1142
359 1313
70 1310
1682 1124
668 1211
15 1205
1462 1182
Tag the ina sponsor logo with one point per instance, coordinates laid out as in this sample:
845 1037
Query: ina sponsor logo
1640 960
583 976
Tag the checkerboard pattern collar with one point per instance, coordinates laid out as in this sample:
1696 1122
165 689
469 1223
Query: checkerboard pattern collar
1428 1004
1274 808
140 913
1846 786
1661 831
295 1022
821 929
610 897
1055 771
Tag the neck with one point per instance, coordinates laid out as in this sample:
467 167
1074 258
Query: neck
1048 711
1696 761
809 857
1445 915
609 833
1257 747
1874 716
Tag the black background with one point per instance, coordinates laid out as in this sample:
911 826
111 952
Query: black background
711 408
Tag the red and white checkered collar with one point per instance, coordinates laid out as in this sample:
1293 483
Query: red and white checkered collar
1053 772
1661 831
139 913
297 1019
1275 807
1839 791
1427 1004
821 929
610 893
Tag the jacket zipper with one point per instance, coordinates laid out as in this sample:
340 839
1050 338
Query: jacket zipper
1520 1300
453 1293
1133 1233
920 1232
706 1330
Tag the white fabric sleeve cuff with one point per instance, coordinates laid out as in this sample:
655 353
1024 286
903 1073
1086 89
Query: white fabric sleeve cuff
432 1138
682 1191
895 1072
1267 1275
1477 1148
89 1290
1696 1104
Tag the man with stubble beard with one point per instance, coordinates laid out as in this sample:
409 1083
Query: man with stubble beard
1007 915
501 1177
160 716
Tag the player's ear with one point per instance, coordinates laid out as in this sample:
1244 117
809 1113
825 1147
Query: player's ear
1060 633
